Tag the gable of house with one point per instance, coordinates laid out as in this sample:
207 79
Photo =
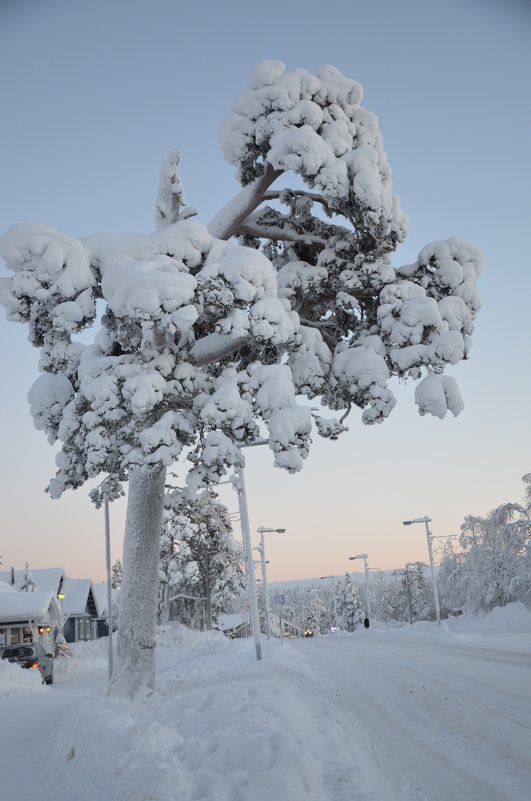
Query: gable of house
79 598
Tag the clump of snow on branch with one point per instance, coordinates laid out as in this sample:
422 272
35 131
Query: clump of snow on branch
170 194
362 320
315 126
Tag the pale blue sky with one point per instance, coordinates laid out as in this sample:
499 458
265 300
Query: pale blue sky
93 96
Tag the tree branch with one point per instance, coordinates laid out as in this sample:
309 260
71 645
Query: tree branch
226 222
214 346
275 195
276 233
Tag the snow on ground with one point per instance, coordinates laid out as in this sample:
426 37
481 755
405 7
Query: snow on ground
410 713
14 681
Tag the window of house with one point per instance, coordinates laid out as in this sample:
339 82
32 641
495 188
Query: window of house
15 636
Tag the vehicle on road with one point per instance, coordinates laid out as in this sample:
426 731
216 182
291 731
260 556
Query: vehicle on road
31 655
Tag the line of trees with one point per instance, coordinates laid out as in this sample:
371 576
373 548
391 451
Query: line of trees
319 606
492 566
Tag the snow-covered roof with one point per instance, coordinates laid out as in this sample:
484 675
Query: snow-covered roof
226 622
18 606
76 592
100 596
48 578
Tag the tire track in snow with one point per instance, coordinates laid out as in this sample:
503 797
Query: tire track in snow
429 732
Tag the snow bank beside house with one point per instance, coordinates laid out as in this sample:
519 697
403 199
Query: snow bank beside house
15 680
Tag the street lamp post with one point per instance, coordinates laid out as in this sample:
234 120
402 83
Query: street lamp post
263 530
334 597
365 556
239 485
110 658
238 482
429 536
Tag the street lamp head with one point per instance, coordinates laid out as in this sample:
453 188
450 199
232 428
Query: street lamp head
360 556
265 530
424 519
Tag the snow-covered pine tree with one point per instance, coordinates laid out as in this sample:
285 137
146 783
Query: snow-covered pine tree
416 596
200 557
349 607
116 574
202 338
27 584
314 611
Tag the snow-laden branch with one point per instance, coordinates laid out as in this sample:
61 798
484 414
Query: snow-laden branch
286 233
215 347
170 194
226 222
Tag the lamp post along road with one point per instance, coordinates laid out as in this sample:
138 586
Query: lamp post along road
109 587
429 536
263 530
365 556
239 485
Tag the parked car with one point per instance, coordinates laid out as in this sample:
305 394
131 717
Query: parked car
31 655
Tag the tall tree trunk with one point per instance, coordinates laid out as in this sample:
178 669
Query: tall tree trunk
135 670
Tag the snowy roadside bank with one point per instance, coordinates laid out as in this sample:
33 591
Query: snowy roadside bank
316 720
503 628
222 727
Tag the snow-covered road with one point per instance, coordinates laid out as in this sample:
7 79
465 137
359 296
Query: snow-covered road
429 721
415 713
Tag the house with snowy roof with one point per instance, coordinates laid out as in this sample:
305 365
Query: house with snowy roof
74 598
233 625
28 617
80 610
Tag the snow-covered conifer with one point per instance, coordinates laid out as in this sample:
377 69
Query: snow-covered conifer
314 611
200 558
349 607
27 584
116 577
203 339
